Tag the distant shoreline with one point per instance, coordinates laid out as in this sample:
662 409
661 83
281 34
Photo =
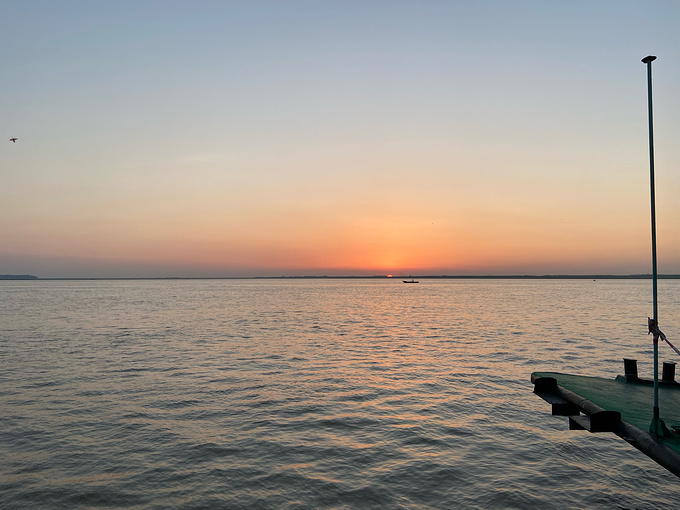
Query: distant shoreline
394 277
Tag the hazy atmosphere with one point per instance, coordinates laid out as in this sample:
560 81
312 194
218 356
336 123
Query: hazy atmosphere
336 137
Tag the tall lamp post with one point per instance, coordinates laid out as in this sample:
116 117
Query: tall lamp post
657 427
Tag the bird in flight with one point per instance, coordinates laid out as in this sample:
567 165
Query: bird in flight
13 140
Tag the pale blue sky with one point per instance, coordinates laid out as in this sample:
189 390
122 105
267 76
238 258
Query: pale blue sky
218 138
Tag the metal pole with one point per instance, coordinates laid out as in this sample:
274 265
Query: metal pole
656 426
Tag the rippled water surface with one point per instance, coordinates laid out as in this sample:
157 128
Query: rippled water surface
306 394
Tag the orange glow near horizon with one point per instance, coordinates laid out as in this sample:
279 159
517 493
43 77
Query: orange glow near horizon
296 243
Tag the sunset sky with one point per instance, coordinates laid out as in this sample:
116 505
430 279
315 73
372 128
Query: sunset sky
217 138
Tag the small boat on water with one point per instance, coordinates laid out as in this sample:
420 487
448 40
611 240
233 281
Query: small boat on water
411 280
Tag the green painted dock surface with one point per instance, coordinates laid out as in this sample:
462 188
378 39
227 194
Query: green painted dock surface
634 401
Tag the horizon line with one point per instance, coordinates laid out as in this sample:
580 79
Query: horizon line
636 276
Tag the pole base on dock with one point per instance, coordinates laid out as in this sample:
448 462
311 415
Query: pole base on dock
658 427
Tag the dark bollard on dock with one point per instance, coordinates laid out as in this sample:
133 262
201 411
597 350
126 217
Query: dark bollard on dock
630 369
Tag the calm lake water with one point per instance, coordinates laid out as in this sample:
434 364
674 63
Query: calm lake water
314 394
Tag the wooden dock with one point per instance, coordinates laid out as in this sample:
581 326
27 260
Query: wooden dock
623 406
